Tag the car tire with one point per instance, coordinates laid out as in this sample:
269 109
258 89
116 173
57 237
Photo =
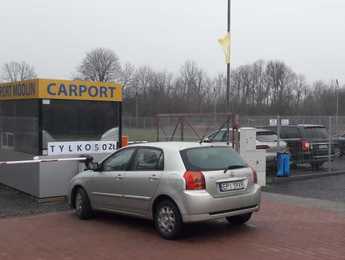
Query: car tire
168 220
82 204
239 219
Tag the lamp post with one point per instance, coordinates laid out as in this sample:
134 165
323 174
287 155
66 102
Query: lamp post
228 109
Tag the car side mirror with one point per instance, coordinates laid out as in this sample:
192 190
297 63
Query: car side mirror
95 166
91 165
206 140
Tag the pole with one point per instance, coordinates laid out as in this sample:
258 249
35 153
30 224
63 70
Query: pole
228 77
136 108
278 131
215 106
330 145
337 110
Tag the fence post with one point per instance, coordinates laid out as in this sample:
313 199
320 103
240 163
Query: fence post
278 131
157 125
330 145
182 129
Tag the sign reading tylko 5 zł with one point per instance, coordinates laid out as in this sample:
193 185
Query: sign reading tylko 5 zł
85 147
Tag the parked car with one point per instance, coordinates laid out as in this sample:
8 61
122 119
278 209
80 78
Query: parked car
265 140
339 142
110 135
307 143
171 183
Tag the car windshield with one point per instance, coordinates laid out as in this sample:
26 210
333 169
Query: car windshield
266 136
211 159
315 132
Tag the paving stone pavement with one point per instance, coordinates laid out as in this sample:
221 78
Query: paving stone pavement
15 203
283 229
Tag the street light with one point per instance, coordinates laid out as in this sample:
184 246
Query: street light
228 74
225 42
228 63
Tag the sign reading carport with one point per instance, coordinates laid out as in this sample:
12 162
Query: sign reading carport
61 89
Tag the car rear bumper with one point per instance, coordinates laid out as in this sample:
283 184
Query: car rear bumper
201 206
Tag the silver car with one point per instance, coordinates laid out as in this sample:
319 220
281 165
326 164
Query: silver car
265 140
171 183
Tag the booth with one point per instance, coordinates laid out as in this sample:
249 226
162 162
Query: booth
55 119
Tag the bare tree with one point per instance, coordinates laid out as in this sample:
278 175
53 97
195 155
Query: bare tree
126 75
15 71
100 65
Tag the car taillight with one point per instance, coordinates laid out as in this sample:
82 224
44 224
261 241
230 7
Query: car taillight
262 147
255 176
305 146
195 180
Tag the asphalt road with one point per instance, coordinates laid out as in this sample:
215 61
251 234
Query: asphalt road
325 188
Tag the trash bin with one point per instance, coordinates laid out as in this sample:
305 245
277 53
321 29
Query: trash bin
283 165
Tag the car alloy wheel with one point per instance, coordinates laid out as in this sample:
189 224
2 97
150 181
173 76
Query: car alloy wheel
166 219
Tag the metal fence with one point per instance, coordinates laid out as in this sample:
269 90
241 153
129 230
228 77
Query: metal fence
145 129
336 125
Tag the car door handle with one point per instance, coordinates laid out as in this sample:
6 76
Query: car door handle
154 178
119 177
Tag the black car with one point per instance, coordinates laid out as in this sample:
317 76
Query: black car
340 144
307 143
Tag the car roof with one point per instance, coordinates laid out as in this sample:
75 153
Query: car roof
310 125
263 130
179 146
257 129
298 125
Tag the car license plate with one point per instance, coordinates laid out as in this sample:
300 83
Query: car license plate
232 186
323 146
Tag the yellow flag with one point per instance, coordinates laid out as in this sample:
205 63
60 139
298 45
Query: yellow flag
225 42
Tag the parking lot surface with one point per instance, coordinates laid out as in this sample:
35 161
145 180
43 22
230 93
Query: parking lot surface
15 203
281 230
330 188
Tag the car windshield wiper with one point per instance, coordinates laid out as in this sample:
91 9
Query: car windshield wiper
233 167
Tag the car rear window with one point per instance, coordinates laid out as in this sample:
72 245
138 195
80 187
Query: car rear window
211 159
289 132
266 136
315 132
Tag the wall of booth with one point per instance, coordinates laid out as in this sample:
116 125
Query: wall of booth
55 118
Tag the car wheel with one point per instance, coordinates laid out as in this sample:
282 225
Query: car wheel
168 220
82 204
239 220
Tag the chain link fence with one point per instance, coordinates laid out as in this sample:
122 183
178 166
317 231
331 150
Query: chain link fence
175 127
145 129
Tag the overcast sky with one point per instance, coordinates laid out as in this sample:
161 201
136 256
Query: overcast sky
54 35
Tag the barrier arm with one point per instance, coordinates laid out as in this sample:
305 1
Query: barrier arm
86 159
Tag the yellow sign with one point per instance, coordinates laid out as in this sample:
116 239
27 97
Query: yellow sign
61 89
19 90
225 42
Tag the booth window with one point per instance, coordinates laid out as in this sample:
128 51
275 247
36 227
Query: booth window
19 126
76 120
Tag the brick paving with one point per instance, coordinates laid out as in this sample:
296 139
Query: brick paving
279 231
16 203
